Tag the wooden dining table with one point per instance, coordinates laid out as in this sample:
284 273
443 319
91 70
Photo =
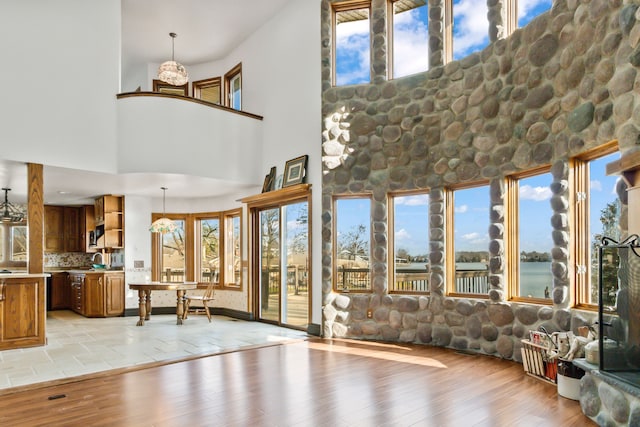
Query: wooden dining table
144 297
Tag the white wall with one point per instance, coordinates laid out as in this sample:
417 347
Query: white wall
175 136
137 218
281 82
61 68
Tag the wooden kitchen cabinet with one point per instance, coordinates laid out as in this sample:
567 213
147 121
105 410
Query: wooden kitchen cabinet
109 214
98 294
60 291
53 228
115 294
62 231
75 284
22 312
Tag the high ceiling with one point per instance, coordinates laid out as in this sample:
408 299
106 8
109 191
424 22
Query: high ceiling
207 30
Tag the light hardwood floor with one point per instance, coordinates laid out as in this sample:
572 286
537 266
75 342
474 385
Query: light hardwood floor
307 383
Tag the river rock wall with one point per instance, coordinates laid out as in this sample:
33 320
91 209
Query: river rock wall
564 84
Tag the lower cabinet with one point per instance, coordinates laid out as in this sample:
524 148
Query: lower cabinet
60 291
97 294
22 312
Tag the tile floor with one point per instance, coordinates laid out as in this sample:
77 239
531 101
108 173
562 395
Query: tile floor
78 345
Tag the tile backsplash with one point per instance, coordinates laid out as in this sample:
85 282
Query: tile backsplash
79 259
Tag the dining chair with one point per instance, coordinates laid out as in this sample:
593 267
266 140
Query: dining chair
204 299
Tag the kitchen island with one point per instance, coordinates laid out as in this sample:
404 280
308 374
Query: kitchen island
22 310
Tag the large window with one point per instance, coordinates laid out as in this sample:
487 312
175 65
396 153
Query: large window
233 88
173 252
352 235
468 240
208 232
529 236
352 43
206 247
597 215
469 29
408 37
409 243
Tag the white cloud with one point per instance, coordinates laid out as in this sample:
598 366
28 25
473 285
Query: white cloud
402 234
462 209
410 44
353 48
595 185
531 8
417 200
470 28
538 194
471 236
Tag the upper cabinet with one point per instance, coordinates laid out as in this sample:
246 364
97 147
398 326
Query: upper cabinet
109 220
62 229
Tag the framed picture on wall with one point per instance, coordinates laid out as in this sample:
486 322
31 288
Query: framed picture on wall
294 171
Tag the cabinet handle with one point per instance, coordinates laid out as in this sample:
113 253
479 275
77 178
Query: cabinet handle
2 285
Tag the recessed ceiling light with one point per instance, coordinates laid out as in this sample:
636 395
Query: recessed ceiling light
64 192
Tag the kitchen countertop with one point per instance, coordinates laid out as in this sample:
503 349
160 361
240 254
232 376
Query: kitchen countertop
19 274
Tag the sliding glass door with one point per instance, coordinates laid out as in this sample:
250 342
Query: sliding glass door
284 264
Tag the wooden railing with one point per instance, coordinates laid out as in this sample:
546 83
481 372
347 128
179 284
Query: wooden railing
412 280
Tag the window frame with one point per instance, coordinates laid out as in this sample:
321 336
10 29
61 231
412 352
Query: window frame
512 235
198 85
166 88
391 240
229 77
449 225
334 232
192 241
579 167
345 6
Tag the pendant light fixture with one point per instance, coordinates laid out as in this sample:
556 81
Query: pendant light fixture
164 224
10 213
173 72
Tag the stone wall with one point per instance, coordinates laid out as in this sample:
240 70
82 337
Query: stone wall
562 85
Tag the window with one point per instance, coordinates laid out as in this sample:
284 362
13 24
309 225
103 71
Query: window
232 255
173 253
529 236
207 90
468 27
19 243
206 247
597 214
162 87
351 42
208 231
408 37
233 88
528 9
409 242
468 213
352 234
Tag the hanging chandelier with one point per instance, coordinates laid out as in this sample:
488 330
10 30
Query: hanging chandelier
163 224
10 213
173 72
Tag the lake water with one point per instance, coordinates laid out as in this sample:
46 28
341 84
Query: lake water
535 276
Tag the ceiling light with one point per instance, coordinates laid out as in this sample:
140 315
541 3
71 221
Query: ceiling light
10 213
164 224
173 72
